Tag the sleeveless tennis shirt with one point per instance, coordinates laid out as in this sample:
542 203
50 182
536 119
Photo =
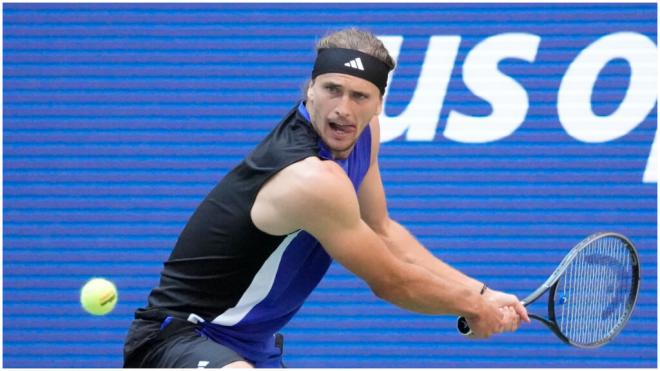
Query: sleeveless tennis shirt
241 284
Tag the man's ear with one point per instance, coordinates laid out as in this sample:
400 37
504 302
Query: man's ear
380 107
310 90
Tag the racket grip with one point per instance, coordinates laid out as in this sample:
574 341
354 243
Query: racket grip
463 327
462 324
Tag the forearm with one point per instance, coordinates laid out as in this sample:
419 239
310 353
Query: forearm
406 247
417 289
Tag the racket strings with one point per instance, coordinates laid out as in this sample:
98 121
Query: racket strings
593 297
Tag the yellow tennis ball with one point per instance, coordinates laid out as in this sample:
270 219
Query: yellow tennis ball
98 296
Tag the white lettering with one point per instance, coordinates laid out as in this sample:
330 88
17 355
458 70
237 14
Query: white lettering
508 99
421 116
574 98
651 172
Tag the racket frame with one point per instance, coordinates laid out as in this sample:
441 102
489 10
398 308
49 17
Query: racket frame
552 282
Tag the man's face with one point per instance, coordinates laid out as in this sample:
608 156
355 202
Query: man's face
340 107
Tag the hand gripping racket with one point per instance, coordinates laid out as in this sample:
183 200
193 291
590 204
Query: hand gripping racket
592 292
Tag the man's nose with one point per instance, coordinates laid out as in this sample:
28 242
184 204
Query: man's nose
343 107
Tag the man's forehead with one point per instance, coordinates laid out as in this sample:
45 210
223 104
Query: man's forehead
348 81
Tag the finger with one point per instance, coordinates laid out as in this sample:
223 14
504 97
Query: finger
516 320
513 320
506 299
476 332
505 321
522 311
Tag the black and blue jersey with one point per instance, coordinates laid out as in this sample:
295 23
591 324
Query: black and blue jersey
240 284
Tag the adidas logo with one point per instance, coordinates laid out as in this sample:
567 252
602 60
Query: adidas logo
355 63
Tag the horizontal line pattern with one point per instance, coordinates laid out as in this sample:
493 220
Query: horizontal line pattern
118 118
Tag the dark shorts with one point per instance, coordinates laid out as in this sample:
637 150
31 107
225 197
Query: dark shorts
177 345
190 351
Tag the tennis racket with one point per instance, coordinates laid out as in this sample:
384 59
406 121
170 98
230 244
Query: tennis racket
592 292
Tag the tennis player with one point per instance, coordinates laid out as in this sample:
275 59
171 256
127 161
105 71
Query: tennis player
263 238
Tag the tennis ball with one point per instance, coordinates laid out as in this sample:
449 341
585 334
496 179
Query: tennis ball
98 296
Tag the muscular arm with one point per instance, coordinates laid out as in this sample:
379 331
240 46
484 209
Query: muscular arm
318 197
284 205
403 244
351 242
373 209
397 238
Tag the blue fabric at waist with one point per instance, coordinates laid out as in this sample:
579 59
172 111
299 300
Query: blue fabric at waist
261 353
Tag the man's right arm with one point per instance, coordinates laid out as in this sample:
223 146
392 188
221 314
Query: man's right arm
316 196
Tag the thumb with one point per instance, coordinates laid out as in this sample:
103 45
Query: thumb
522 311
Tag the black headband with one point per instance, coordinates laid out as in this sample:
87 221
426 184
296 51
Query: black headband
352 62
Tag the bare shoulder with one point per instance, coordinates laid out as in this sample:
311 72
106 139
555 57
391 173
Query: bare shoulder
316 182
307 191
313 170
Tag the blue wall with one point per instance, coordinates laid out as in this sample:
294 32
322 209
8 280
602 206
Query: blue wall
119 118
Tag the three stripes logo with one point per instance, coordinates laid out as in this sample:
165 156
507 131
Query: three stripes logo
355 63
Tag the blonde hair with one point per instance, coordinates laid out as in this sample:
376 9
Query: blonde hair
353 38
364 41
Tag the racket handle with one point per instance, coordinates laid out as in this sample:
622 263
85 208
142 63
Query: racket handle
462 324
463 327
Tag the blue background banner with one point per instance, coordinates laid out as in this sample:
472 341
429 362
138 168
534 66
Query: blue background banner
119 118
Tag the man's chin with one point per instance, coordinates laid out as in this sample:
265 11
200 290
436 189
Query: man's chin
341 152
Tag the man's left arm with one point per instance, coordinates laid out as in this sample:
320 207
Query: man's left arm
373 210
